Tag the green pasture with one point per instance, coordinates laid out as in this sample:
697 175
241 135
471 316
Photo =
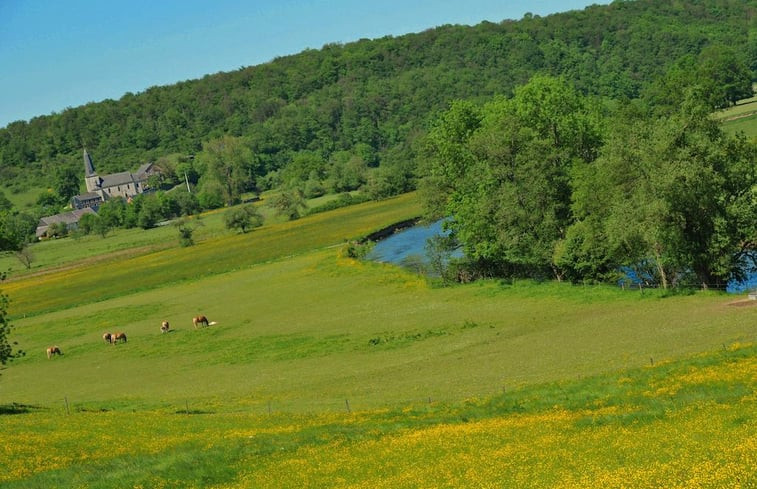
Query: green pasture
325 371
55 253
741 118
23 199
308 332
746 125
305 329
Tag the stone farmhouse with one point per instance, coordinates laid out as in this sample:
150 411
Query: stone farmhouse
70 219
101 188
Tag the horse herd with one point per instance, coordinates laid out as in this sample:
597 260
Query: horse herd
113 338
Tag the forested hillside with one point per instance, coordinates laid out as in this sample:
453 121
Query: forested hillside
373 98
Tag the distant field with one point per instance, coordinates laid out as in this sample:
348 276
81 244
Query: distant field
323 371
25 199
742 117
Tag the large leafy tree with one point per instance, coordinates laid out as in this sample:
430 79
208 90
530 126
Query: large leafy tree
505 173
724 75
674 195
66 183
16 229
229 161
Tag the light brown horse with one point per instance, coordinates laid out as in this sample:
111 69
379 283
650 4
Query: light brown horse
119 337
200 320
108 337
164 327
52 351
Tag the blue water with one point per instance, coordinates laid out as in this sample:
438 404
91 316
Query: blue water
740 287
411 242
406 243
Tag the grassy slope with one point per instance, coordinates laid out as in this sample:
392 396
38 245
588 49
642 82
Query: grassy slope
304 331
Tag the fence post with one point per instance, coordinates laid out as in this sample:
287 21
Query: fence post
65 399
347 403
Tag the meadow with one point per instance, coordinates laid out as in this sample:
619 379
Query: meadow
741 118
326 371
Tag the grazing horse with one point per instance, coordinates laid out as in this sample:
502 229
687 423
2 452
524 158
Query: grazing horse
108 337
164 327
52 351
200 320
119 337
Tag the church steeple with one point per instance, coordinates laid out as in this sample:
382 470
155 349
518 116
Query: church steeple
89 168
91 179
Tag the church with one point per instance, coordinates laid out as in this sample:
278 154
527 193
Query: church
103 187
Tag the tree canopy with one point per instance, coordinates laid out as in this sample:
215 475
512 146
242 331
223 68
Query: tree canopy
371 98
533 187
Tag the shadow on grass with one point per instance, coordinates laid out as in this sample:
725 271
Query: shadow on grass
15 408
193 411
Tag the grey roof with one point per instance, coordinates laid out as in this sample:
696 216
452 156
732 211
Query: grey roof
67 218
87 196
114 179
143 171
89 168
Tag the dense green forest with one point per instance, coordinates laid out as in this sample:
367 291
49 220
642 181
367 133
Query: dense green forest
562 145
373 98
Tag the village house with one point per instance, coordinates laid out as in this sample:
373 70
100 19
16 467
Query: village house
69 219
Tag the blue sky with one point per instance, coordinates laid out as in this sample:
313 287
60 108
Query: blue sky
56 54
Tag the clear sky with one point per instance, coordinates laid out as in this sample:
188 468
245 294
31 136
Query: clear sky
56 54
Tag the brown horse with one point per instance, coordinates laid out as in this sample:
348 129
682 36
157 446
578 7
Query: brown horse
164 327
200 320
119 337
108 337
52 351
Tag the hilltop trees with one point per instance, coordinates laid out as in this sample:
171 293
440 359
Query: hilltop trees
370 97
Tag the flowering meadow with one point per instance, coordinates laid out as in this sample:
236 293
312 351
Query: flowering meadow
685 424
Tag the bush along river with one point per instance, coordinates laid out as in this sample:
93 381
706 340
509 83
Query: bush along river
405 245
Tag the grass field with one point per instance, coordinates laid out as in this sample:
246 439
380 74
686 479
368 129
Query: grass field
741 118
324 371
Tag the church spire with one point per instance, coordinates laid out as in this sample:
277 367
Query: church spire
89 168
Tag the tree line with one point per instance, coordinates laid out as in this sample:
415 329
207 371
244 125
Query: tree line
551 183
373 98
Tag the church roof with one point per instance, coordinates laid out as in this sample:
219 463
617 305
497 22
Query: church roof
114 179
